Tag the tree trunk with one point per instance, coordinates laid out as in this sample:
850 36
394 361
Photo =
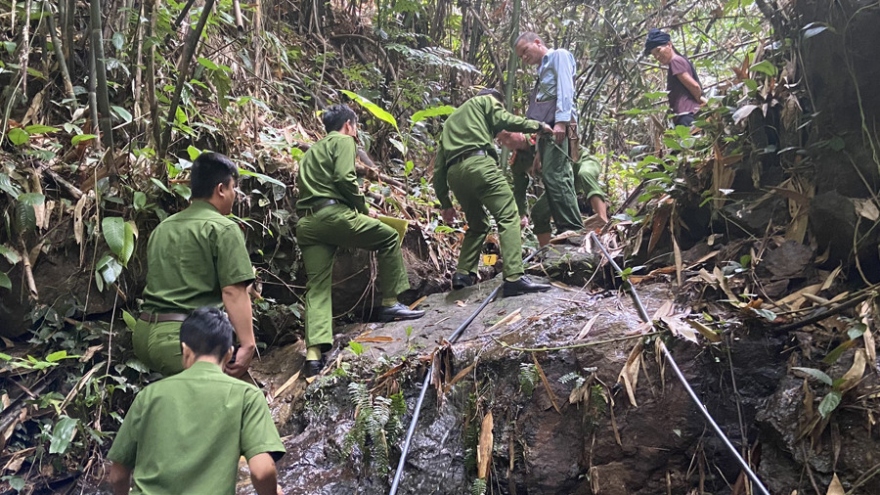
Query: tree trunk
102 92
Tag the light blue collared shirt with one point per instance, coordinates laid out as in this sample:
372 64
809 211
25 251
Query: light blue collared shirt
557 71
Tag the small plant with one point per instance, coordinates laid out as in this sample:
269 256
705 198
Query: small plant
478 487
528 378
377 424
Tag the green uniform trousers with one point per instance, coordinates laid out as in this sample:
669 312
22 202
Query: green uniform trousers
477 182
586 178
318 236
558 178
157 345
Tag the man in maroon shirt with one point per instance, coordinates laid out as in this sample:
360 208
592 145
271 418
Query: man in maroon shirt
682 83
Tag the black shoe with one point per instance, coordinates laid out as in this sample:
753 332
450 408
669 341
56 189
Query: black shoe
399 312
523 286
313 367
460 280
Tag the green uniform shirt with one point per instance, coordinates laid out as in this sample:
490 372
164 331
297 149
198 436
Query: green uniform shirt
471 127
327 172
185 433
191 256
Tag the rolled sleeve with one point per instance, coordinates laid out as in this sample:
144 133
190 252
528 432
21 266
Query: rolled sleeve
258 432
233 262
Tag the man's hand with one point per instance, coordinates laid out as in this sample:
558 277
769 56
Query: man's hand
448 215
243 357
238 306
559 131
524 221
545 129
373 214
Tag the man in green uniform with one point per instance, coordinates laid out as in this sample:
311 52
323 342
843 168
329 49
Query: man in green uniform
467 164
197 258
333 213
186 433
552 102
586 173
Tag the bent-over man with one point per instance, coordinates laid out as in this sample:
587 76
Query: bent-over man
196 258
586 173
467 164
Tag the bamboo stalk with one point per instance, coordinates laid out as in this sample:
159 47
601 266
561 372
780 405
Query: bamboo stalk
102 92
26 48
151 106
93 99
189 48
239 20
59 54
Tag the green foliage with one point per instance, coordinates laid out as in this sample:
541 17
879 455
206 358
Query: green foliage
377 425
528 378
478 487
377 111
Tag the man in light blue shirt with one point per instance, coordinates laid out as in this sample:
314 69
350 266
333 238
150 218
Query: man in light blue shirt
552 102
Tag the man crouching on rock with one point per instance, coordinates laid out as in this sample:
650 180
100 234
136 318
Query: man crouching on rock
333 213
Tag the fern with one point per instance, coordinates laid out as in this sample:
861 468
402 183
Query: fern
478 487
377 420
573 376
528 378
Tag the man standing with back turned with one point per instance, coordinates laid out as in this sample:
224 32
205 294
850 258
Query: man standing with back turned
333 213
552 102
197 258
467 163
186 433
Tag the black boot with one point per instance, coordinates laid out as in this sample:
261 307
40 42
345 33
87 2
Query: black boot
523 286
313 367
399 312
460 280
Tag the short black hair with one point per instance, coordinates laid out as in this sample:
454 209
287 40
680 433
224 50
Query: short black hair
492 92
208 332
336 116
208 170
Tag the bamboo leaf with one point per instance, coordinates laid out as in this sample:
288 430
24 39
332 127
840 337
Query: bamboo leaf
261 177
817 374
40 129
431 112
10 254
129 319
81 138
377 111
4 281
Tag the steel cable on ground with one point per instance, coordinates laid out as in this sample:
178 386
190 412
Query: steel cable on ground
427 383
643 314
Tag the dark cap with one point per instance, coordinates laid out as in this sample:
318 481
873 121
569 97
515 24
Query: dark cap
655 38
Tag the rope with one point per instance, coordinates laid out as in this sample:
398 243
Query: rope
427 383
643 314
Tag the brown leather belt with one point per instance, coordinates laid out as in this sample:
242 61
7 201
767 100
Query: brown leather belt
161 317
318 207
464 156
